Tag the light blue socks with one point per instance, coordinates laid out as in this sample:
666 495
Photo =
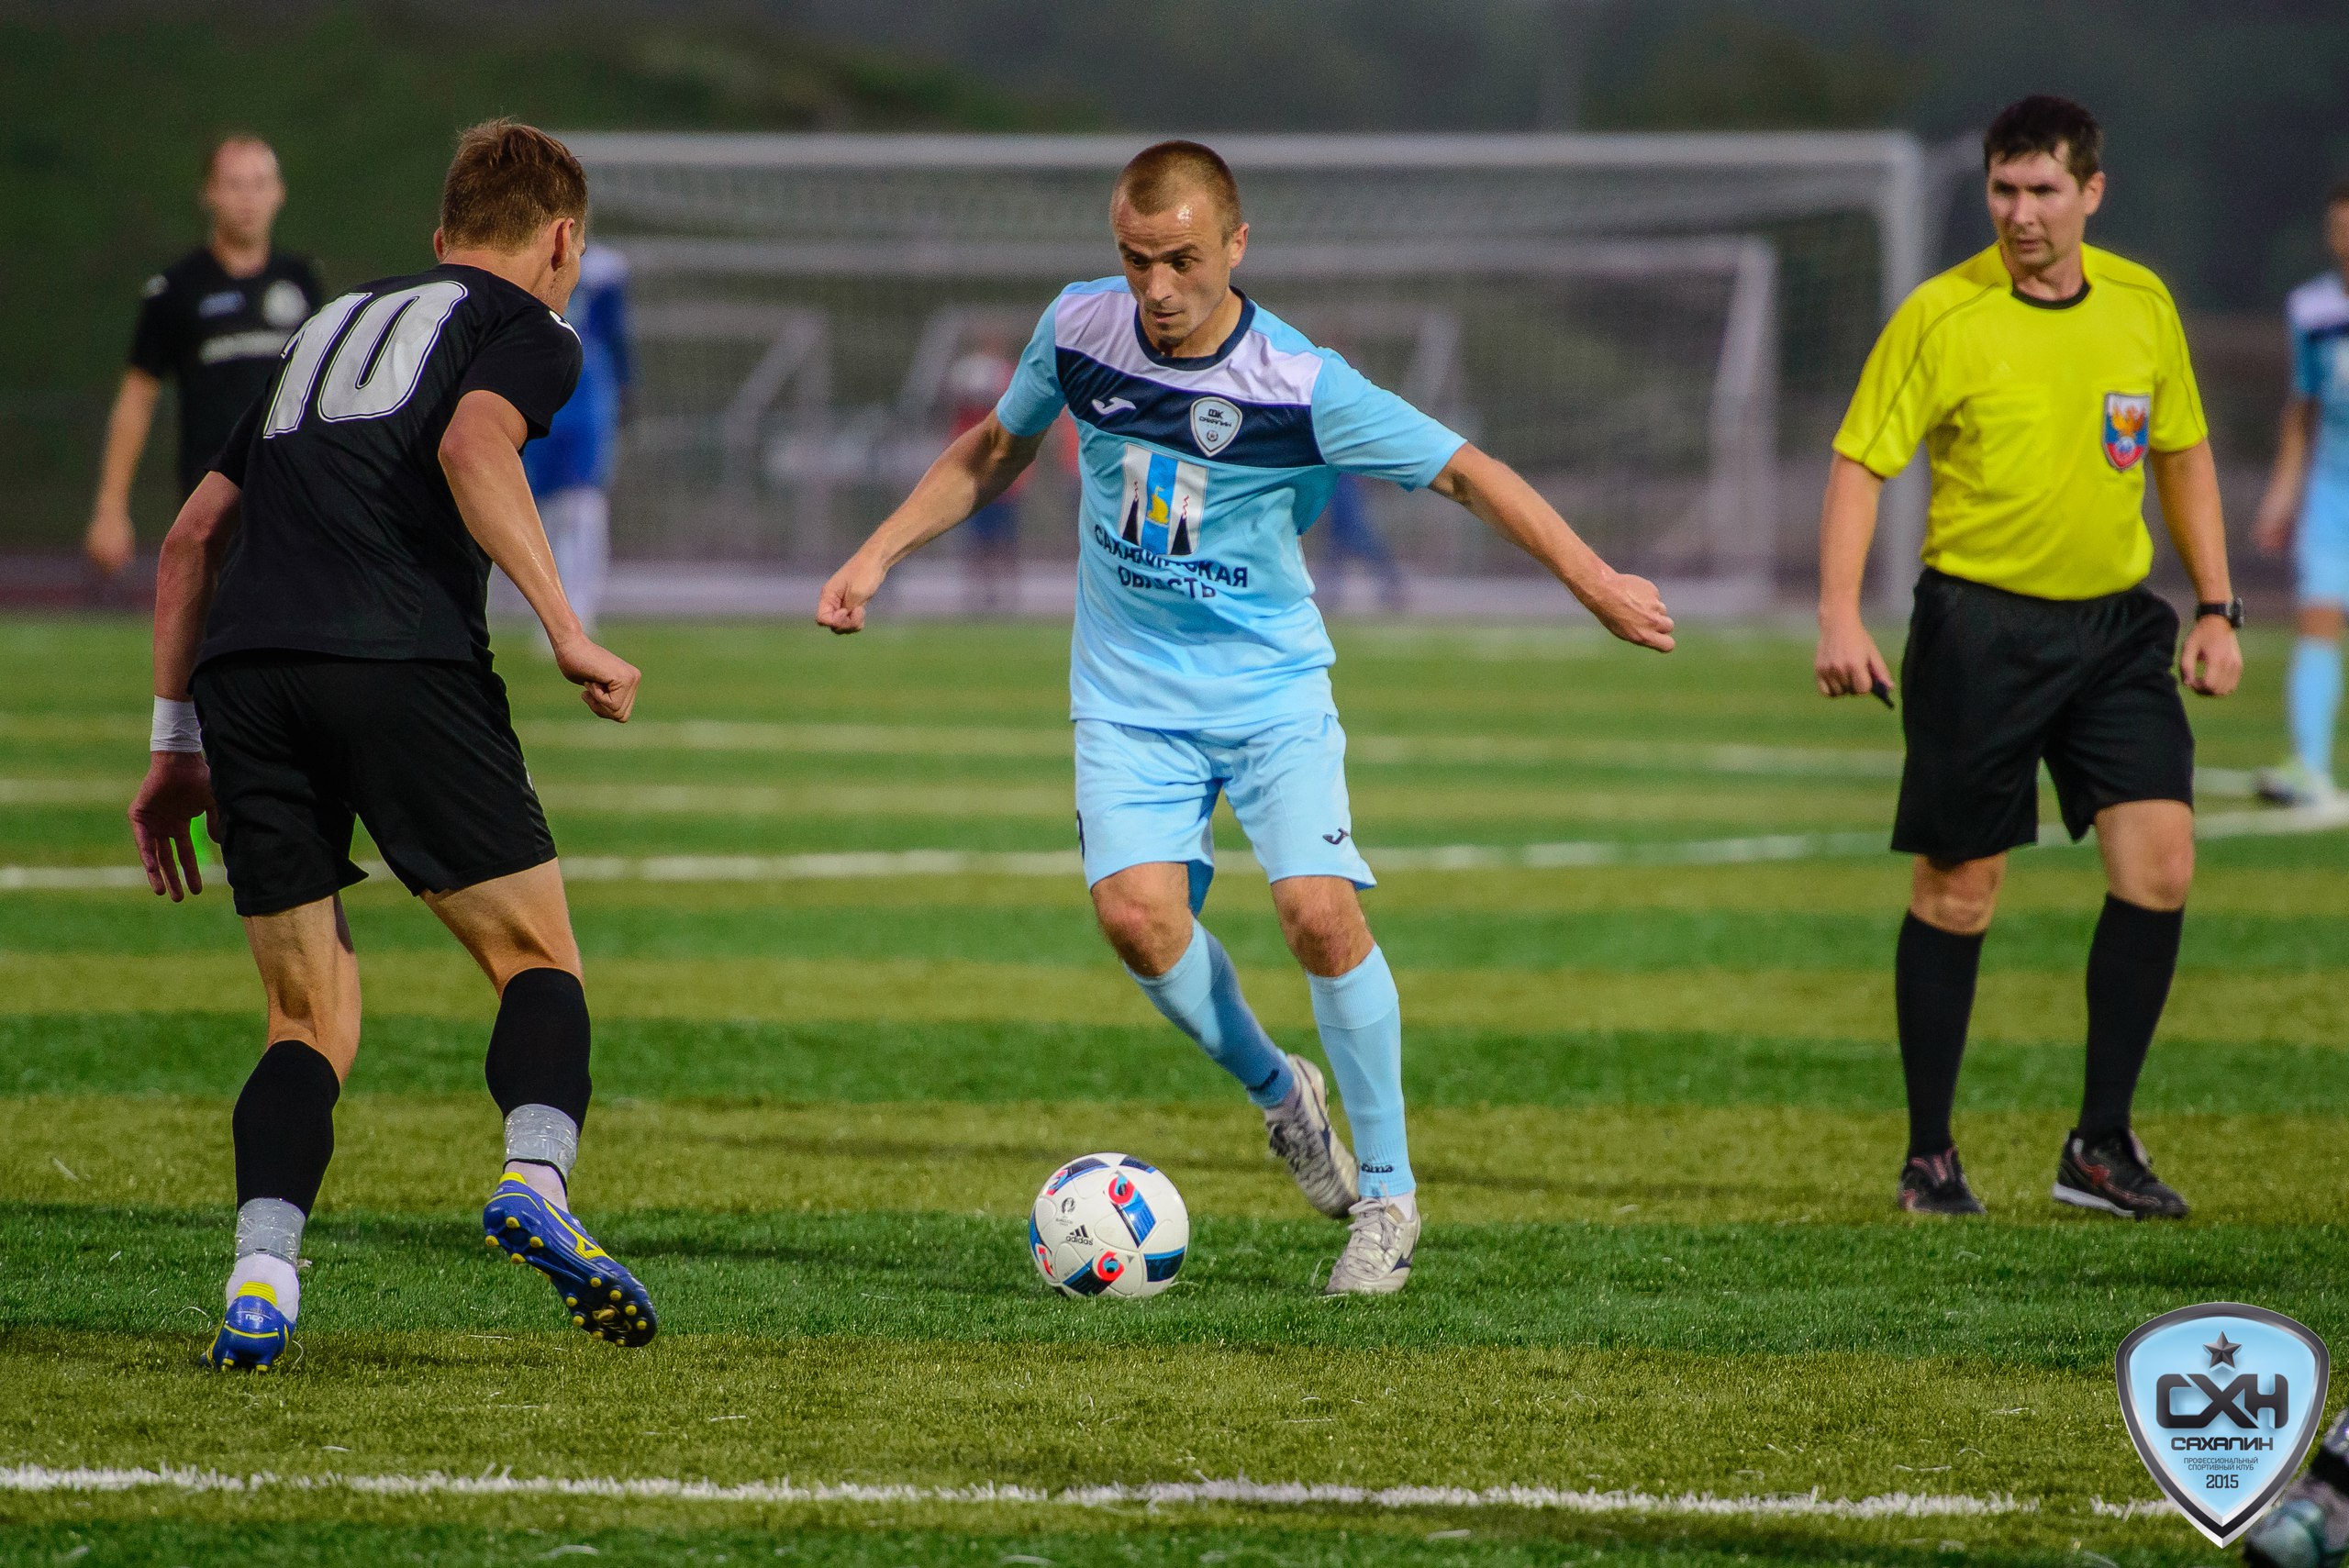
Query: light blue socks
1361 1019
1200 995
2312 700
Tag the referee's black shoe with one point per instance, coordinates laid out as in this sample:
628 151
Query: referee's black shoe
1935 1183
2114 1175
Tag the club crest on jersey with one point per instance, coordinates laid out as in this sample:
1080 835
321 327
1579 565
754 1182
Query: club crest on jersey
1166 499
2222 1401
2127 416
282 305
1214 421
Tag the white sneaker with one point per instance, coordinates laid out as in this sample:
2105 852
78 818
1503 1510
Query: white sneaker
2297 784
1378 1259
1299 1132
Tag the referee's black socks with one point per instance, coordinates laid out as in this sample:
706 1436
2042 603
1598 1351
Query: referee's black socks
2130 964
1933 989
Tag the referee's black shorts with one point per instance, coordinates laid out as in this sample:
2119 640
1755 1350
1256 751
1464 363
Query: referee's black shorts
421 750
1996 681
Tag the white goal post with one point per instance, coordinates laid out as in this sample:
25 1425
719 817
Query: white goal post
1657 329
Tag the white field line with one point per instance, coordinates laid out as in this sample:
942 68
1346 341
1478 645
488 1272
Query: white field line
810 798
1006 740
864 865
500 1484
908 740
2133 1508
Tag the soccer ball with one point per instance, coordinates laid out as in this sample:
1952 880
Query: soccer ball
1109 1225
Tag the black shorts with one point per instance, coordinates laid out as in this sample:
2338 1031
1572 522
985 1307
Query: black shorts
422 751
1993 682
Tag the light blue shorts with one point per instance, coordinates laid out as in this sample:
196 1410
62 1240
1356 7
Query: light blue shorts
2321 551
1146 795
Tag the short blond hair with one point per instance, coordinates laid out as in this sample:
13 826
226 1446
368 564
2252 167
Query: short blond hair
228 139
507 181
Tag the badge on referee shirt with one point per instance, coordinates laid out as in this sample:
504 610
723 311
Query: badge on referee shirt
2128 416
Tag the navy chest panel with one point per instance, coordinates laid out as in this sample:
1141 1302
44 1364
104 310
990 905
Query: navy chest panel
1271 435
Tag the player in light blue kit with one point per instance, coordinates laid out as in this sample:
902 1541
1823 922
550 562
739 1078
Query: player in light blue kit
1209 436
2307 496
571 467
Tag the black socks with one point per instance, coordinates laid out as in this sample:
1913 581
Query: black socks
2130 964
1933 991
538 1051
285 1126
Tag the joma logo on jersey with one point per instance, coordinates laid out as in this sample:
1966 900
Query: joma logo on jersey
2127 416
1165 501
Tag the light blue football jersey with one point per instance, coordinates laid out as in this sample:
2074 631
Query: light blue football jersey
2318 312
1194 609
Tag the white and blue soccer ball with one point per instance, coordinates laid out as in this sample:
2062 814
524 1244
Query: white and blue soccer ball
1109 1225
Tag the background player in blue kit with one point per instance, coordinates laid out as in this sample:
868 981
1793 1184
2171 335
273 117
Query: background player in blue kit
1210 433
2307 496
570 467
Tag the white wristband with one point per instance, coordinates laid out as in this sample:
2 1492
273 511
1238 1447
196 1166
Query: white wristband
175 729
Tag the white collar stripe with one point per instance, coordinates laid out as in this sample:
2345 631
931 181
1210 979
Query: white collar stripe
1101 326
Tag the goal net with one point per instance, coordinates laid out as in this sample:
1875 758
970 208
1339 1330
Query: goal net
1660 331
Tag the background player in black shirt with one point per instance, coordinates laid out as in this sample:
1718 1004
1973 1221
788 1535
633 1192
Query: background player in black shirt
320 599
214 321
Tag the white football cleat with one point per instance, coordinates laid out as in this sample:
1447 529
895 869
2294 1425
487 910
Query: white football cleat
2295 783
1378 1259
1299 1132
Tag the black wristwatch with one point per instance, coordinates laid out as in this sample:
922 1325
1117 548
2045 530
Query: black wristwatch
2232 611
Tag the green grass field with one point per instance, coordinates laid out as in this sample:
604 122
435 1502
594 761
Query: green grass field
1657 1119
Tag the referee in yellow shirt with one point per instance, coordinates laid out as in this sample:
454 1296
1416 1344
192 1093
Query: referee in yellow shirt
2045 377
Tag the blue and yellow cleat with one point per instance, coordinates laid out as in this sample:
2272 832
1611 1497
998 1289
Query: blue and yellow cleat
253 1334
605 1299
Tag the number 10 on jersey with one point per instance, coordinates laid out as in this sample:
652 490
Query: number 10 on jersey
377 362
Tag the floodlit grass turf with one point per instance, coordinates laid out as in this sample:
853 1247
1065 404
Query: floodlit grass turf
1658 1114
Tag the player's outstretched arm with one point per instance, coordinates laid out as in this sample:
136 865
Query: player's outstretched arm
178 787
2279 509
977 466
482 454
2211 663
110 540
1629 606
1848 663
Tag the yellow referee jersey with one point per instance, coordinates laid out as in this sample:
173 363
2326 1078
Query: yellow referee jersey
2036 418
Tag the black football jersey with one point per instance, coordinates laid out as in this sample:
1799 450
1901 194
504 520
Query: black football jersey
218 337
350 543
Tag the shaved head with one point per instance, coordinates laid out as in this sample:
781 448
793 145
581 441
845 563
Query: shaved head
1164 176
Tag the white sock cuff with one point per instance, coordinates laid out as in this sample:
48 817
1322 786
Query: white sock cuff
1362 997
542 1134
268 1269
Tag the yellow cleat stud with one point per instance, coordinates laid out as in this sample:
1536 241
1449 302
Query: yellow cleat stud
577 1321
536 1243
488 1241
514 1257
570 1301
616 1295
512 1223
